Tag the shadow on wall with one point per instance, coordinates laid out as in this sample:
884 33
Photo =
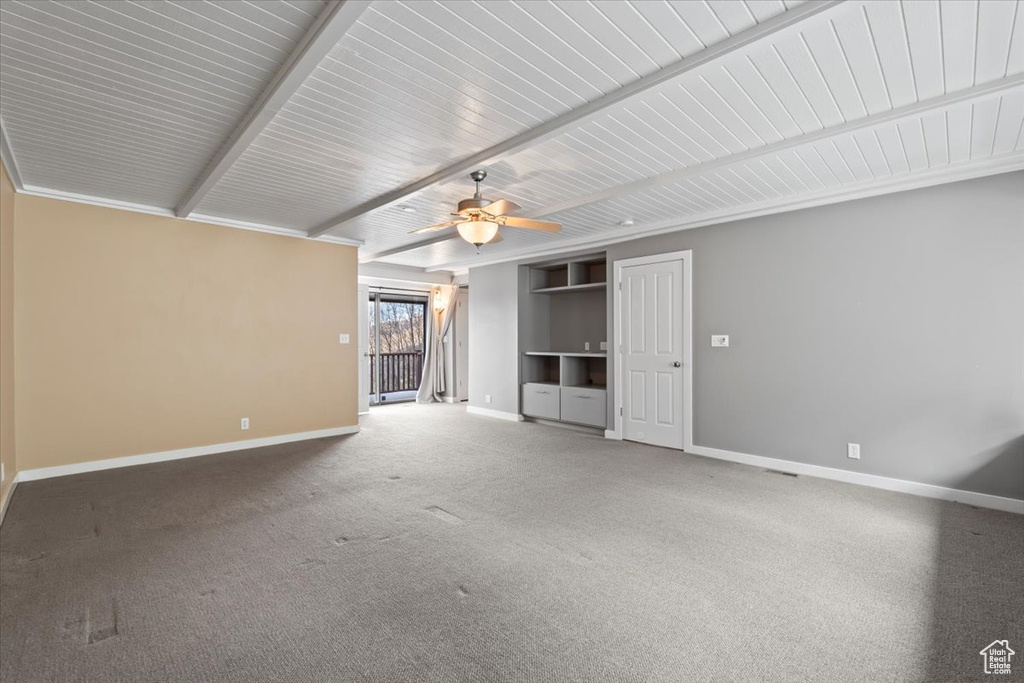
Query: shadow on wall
979 573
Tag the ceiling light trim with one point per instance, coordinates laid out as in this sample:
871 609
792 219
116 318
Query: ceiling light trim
592 109
326 32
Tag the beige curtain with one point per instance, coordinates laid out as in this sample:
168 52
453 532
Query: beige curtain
440 311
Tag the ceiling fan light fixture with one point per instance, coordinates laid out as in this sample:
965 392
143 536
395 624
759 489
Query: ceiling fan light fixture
478 232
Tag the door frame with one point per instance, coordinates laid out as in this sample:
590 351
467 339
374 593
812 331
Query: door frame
364 348
686 257
377 295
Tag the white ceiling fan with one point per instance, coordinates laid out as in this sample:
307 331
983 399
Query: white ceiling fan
479 219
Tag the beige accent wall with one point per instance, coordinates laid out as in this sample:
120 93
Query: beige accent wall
6 334
137 334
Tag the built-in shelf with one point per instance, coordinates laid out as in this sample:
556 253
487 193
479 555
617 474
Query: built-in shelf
571 288
579 354
568 386
574 275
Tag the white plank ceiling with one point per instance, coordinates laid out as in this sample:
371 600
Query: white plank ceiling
787 104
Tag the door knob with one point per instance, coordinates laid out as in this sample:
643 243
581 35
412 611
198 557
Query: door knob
676 364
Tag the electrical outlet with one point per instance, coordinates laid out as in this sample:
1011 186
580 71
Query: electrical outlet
719 340
487 398
245 423
586 346
853 451
343 339
604 346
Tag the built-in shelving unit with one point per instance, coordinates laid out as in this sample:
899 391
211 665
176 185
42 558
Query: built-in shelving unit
570 288
580 275
562 380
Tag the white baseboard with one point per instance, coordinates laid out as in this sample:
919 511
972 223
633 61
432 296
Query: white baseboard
901 485
178 454
501 415
10 494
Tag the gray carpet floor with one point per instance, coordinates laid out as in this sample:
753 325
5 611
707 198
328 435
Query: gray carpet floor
440 546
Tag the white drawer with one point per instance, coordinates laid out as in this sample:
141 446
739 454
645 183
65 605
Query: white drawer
585 406
540 400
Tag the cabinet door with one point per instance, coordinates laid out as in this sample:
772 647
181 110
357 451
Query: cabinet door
584 406
541 400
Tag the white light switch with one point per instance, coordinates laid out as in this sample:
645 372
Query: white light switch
343 339
719 340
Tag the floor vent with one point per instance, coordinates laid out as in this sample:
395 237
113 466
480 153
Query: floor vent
785 474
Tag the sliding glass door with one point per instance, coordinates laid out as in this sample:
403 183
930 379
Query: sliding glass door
397 338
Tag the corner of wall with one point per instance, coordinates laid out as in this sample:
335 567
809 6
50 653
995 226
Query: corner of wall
7 443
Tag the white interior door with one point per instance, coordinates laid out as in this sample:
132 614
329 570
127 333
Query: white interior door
652 353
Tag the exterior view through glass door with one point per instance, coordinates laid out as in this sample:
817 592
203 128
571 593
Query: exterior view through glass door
396 346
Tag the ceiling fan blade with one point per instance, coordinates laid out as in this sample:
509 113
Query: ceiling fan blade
530 224
439 226
501 207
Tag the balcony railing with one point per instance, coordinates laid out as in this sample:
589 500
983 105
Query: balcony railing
398 371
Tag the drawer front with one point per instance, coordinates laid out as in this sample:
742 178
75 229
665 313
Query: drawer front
540 400
585 406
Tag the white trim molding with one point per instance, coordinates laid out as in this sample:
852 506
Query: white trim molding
499 414
966 170
686 256
978 92
180 453
984 500
7 157
389 272
47 193
10 494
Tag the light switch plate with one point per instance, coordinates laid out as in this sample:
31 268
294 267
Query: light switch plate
719 340
343 339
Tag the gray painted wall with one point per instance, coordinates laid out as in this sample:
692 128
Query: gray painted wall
493 337
577 318
895 322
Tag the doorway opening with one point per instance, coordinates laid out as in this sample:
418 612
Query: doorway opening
396 346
